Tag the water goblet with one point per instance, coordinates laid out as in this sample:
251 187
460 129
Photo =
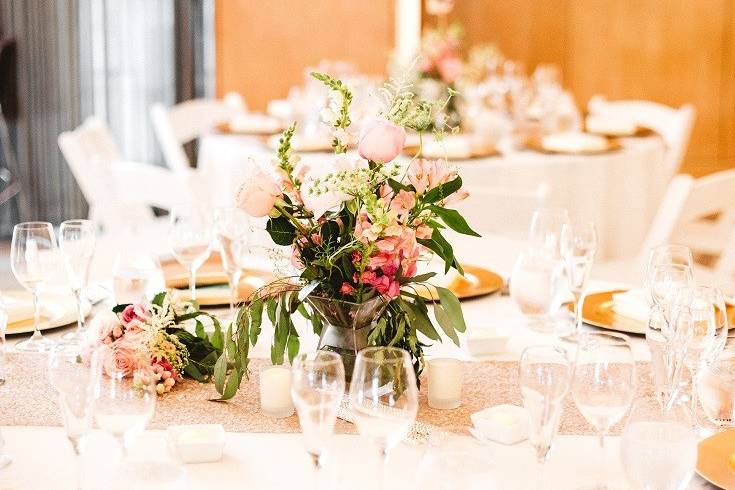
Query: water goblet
664 282
668 254
384 398
604 382
76 242
546 229
578 247
545 374
658 447
317 388
190 239
538 286
73 374
32 256
231 230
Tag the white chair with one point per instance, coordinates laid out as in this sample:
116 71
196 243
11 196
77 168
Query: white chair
699 213
186 121
673 125
501 211
119 193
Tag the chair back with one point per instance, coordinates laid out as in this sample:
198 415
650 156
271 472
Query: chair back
184 122
699 213
673 125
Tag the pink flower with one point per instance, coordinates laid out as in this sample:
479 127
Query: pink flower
346 289
356 257
132 317
403 202
426 174
381 140
258 194
423 231
121 358
101 327
456 197
449 67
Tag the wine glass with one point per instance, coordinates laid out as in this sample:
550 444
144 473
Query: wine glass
190 239
578 247
3 346
231 229
669 254
604 381
384 398
73 374
667 350
124 398
133 273
546 229
665 281
658 448
76 242
538 286
717 387
32 255
545 374
317 388
707 332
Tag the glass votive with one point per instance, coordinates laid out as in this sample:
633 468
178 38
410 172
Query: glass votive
275 391
445 383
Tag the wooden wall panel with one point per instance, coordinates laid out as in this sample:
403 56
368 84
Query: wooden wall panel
262 48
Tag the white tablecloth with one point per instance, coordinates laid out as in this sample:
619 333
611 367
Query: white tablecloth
620 191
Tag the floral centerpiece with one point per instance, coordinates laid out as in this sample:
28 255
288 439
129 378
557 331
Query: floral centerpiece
357 227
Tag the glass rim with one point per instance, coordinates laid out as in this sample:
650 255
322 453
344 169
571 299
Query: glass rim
32 225
81 222
621 338
549 348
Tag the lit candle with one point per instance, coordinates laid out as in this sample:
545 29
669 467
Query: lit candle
445 383
275 391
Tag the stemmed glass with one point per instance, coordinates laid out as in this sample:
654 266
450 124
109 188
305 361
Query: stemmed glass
74 377
190 239
717 388
76 242
537 286
317 388
658 447
32 254
3 353
578 247
231 229
669 254
124 399
664 282
384 398
604 382
545 377
546 229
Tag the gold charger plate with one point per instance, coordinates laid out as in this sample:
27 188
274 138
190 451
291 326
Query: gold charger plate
535 144
412 151
225 128
640 132
713 459
597 311
477 282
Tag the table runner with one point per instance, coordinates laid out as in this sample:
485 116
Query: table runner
28 399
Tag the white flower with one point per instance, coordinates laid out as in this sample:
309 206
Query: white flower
319 193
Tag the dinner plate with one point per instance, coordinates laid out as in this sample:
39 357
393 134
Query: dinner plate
714 459
640 132
598 311
535 144
225 128
477 281
472 153
57 310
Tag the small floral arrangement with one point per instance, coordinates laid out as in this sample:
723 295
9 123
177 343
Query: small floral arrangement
151 337
440 54
357 226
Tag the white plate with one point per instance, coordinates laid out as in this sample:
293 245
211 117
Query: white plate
57 310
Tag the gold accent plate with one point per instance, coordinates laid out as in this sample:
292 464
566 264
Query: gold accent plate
477 282
535 144
714 459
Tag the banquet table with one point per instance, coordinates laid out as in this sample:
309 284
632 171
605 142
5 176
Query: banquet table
265 453
619 191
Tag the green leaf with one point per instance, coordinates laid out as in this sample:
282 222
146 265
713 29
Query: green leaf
193 372
451 305
293 344
233 383
443 191
281 230
420 319
199 330
446 323
316 324
158 299
120 308
421 277
256 320
220 372
454 220
397 186
231 346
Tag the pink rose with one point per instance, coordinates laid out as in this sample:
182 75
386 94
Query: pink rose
121 358
381 140
450 68
132 317
346 289
257 194
101 327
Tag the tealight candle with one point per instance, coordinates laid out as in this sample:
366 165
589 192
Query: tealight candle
445 383
275 391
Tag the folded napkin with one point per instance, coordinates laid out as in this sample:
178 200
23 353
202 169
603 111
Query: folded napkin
254 123
18 310
610 125
632 304
574 142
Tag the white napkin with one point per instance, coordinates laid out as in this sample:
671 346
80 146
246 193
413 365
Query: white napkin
574 142
632 304
441 279
18 309
254 123
609 124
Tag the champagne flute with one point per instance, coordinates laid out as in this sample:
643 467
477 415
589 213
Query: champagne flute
545 374
578 247
546 229
74 377
604 382
190 239
658 447
317 388
231 229
32 254
76 242
384 398
124 399
537 286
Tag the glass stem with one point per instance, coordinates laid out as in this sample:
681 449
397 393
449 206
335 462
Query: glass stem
234 292
601 456
695 399
79 474
316 461
123 447
383 467
192 283
36 316
540 473
80 310
578 300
